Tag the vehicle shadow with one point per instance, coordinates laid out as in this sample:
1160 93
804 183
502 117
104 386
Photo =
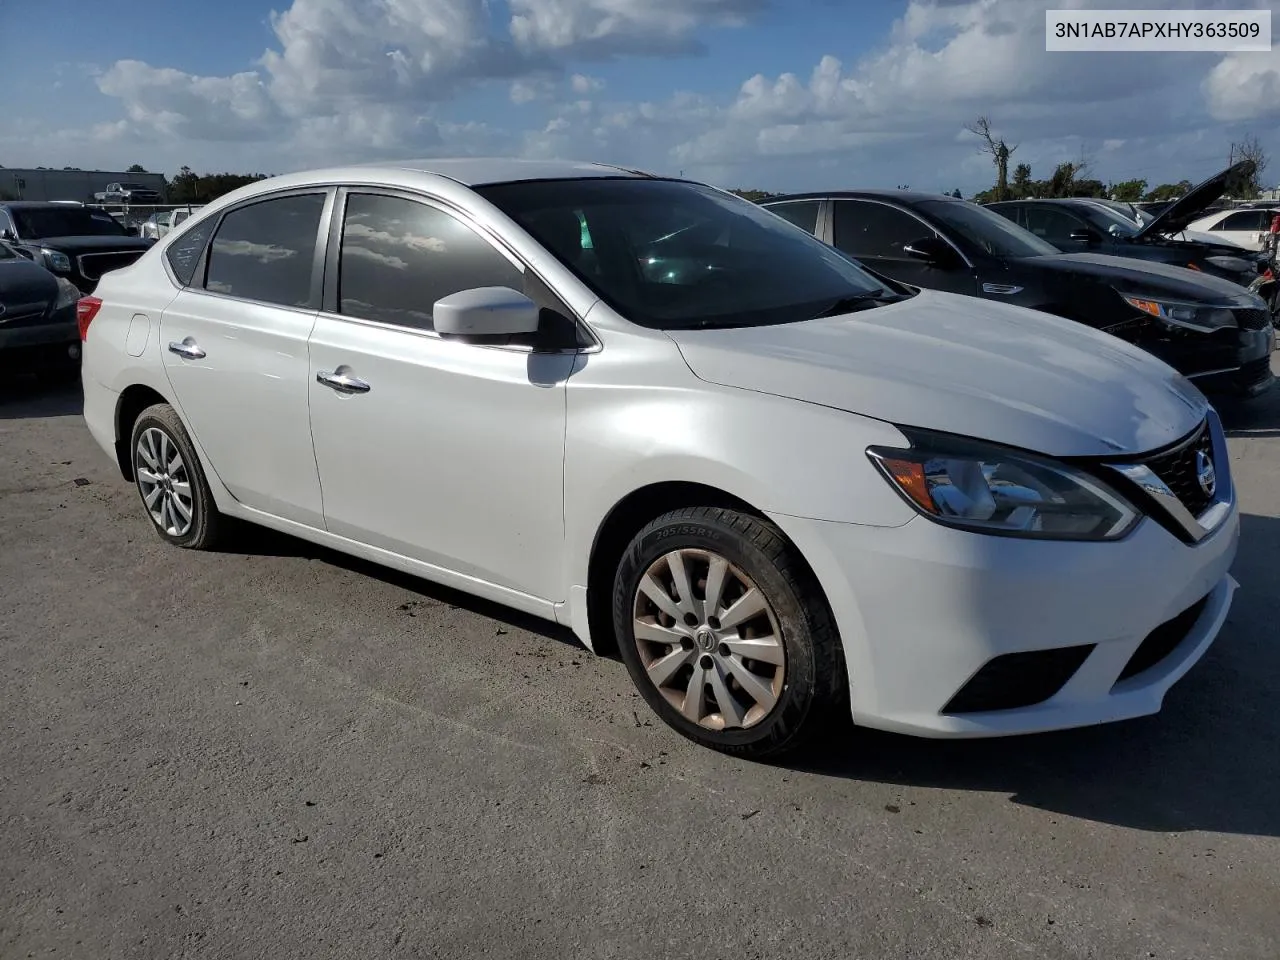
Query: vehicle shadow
1206 762
253 540
35 397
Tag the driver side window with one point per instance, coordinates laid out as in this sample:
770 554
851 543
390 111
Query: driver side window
863 228
1052 225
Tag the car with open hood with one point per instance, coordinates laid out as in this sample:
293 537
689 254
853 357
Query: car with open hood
76 242
1084 225
779 486
1214 331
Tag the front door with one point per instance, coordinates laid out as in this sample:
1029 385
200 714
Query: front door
877 233
445 451
234 344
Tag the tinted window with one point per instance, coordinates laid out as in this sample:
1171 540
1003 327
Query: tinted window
986 230
65 221
866 229
670 254
399 257
184 253
1244 220
1052 224
803 213
265 251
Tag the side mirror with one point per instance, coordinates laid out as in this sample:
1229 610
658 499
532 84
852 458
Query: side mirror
931 250
485 312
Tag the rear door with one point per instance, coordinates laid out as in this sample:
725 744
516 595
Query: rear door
877 234
1244 227
234 343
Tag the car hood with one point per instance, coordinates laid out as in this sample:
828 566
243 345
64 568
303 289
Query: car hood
1148 277
965 366
25 282
75 245
1181 212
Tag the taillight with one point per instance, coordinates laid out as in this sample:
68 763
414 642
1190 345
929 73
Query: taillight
86 309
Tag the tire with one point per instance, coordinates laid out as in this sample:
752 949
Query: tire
164 435
810 689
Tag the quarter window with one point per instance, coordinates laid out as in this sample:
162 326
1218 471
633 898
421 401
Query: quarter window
184 253
266 251
866 229
803 213
400 256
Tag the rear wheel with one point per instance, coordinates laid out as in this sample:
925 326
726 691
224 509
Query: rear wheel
725 632
170 481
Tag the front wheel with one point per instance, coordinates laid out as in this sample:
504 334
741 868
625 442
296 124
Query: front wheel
725 632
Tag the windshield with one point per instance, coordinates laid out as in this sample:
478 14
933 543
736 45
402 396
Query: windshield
987 230
676 255
36 222
1112 221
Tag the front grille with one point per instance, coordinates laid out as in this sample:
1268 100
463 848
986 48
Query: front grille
94 265
1253 319
1015 680
1177 468
1163 640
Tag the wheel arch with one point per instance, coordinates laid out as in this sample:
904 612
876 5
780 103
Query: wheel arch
133 400
625 519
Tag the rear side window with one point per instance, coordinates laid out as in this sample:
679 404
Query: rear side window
1244 220
266 251
803 213
1051 224
184 253
400 256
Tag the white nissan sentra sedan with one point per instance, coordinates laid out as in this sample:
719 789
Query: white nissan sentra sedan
782 488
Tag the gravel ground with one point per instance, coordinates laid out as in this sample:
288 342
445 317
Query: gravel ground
280 752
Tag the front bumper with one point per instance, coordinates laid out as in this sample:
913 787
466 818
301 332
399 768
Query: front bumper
1246 371
39 346
923 608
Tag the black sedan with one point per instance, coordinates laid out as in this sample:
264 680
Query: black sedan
1211 329
38 330
1082 225
79 243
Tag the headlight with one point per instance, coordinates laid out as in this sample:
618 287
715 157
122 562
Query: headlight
68 294
1231 264
57 260
1191 316
988 489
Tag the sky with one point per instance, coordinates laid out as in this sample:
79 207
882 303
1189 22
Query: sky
780 95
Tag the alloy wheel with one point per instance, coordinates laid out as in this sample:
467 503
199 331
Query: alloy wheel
164 482
709 640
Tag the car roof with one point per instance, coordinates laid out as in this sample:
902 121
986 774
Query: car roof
904 196
31 204
480 171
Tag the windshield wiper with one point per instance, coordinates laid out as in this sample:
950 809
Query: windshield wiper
858 302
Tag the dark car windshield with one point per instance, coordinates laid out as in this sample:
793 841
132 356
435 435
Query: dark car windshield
987 230
1112 221
36 222
676 255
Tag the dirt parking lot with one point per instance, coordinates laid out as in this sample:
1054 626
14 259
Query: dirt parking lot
278 752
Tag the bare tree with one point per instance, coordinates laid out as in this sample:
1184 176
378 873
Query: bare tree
999 150
1250 148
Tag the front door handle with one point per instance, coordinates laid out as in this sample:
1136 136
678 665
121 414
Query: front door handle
186 348
342 381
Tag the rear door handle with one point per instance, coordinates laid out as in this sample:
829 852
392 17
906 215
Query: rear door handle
187 348
342 381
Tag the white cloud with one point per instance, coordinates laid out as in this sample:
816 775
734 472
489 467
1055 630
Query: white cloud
1245 86
600 29
581 83
170 103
